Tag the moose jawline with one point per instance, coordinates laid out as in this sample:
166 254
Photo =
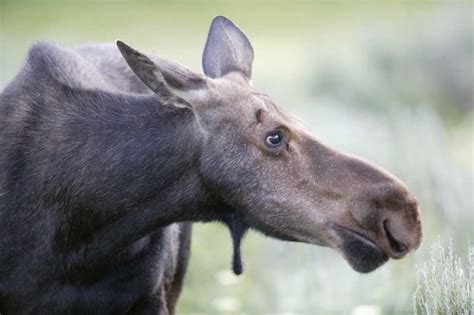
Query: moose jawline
362 253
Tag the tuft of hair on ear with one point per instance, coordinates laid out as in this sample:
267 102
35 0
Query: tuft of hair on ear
237 230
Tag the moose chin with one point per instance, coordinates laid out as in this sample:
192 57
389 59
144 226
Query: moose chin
107 154
362 254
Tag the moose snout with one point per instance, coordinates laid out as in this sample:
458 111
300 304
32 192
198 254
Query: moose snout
398 226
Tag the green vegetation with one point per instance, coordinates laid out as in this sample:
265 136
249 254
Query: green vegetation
444 285
389 81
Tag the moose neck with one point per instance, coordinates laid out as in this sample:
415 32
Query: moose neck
142 173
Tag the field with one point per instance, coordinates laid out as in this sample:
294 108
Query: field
389 81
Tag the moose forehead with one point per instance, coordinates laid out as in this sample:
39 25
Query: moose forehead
233 98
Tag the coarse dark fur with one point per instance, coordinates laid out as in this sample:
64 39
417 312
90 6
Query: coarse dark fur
73 159
103 162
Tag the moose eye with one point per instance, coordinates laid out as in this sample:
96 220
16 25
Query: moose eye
274 139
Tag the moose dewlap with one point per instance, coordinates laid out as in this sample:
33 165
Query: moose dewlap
106 151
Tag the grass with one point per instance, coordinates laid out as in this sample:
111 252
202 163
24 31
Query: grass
445 283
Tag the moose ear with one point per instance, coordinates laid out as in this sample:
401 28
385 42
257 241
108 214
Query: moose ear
166 78
227 50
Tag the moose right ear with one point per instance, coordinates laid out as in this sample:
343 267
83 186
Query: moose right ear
227 50
166 78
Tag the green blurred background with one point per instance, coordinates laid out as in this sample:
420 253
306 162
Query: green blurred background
390 81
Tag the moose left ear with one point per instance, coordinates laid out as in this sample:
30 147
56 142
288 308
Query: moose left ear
227 50
166 78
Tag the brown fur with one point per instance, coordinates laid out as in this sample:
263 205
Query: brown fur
302 190
98 164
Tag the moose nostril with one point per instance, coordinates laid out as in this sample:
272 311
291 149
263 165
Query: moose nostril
398 248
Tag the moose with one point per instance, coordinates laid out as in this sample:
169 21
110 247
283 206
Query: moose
108 154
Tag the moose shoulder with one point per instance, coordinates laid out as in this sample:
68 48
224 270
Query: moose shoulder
107 151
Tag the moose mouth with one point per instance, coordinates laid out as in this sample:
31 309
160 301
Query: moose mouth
361 252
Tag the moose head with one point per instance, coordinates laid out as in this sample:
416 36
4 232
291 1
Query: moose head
275 176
